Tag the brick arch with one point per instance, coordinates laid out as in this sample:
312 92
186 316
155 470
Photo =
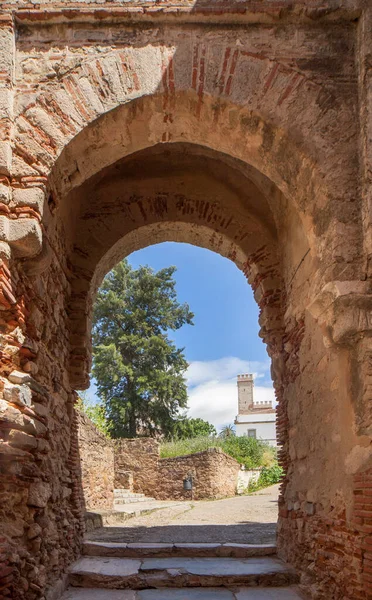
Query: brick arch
252 106
167 193
259 264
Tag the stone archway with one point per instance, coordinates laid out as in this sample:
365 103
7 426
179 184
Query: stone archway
193 135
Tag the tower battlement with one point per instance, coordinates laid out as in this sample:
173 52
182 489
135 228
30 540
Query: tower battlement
245 377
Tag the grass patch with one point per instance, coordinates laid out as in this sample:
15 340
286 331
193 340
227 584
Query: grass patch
174 448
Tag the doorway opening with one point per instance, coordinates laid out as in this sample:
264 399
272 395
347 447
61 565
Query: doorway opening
209 479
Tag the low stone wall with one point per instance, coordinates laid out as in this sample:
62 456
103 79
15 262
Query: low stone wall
97 464
136 465
214 475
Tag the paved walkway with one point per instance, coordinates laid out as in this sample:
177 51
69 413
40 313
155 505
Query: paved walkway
243 519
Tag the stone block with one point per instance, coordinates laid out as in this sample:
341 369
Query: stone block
39 494
34 531
4 194
34 197
22 440
17 394
23 235
5 157
6 50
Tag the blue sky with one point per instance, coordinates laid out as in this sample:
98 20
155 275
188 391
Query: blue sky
224 339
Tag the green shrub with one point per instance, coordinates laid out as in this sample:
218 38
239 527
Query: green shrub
250 452
268 476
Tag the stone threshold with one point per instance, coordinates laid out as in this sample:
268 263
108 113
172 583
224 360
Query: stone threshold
274 593
148 550
134 574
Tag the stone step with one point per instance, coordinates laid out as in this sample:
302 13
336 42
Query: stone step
272 593
130 500
127 494
134 574
148 550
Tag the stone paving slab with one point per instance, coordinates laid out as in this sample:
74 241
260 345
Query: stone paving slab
268 594
190 594
147 550
287 593
216 566
97 594
179 572
108 567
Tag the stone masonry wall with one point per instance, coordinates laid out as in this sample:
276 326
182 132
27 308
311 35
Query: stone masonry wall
97 464
214 474
139 456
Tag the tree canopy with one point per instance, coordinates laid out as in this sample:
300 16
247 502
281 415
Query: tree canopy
227 431
138 369
192 428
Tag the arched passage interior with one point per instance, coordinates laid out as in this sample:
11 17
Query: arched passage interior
105 202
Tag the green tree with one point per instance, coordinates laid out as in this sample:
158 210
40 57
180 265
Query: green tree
95 412
186 428
227 431
139 371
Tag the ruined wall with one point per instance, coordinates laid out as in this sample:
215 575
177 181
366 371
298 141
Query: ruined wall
97 464
140 457
214 474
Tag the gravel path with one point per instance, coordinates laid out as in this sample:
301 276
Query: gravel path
243 519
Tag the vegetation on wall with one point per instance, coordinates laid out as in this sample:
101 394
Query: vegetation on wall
268 476
250 452
138 370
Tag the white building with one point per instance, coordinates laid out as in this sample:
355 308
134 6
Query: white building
254 419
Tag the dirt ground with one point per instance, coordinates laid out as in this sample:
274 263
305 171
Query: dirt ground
242 519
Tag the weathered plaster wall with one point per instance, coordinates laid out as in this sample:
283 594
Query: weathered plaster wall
214 475
279 105
97 464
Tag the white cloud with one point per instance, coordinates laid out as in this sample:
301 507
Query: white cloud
212 388
213 394
224 368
